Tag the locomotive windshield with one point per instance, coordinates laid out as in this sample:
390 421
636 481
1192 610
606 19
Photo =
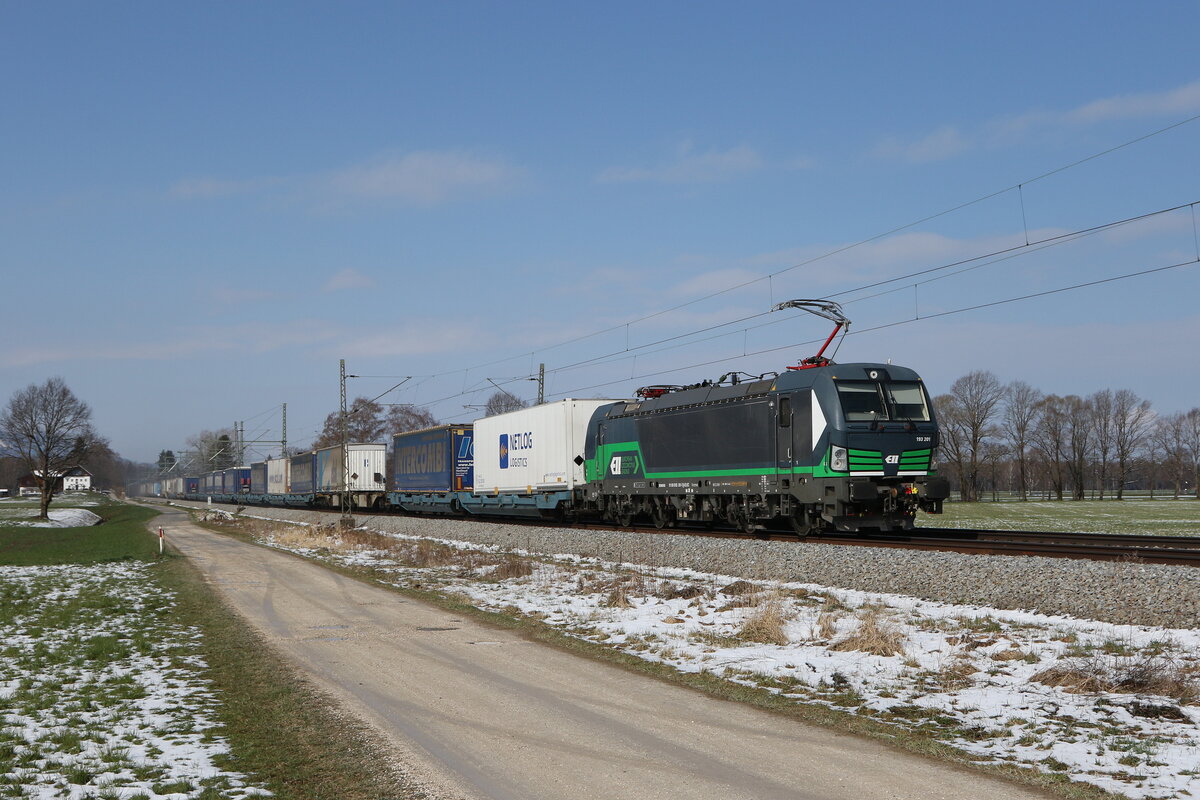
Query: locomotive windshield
871 401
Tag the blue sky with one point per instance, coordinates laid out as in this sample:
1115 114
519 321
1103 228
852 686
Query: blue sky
204 206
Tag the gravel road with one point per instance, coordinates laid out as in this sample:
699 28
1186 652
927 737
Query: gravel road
477 712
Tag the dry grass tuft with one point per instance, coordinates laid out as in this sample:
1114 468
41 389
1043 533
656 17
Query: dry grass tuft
827 624
739 588
619 597
955 674
1011 654
685 592
1138 674
745 601
512 566
874 635
369 540
296 536
768 624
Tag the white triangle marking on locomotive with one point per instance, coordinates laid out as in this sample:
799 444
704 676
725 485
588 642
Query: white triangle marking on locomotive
818 424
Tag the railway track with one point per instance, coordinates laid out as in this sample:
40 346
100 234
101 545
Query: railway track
1178 550
1181 550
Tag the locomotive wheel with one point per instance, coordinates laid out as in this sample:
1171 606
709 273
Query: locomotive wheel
800 527
661 518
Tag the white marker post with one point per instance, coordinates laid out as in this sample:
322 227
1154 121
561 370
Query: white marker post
160 540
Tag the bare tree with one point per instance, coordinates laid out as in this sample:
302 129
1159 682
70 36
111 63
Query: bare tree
1050 440
1079 443
364 423
1020 414
48 428
976 396
1131 417
501 402
367 421
1170 440
403 418
1102 426
952 437
1191 434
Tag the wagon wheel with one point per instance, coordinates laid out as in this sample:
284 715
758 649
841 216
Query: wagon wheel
624 519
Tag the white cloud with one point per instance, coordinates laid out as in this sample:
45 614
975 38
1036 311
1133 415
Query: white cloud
690 167
418 337
717 281
348 278
949 141
257 337
945 142
421 178
1183 100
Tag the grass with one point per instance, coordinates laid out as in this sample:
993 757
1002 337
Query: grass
122 536
282 732
1162 516
279 726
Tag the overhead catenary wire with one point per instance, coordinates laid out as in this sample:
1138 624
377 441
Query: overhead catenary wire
997 256
626 325
845 248
964 309
769 278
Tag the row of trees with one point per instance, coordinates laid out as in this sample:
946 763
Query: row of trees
1015 437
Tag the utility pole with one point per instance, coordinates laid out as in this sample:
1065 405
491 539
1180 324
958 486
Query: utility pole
345 494
283 443
541 383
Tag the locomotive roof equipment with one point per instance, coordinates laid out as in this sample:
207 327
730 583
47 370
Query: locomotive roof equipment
822 308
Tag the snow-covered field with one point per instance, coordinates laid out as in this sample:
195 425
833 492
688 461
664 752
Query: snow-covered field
59 518
1106 704
101 694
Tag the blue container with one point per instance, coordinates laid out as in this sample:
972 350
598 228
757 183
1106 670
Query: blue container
304 473
258 478
191 485
236 480
434 460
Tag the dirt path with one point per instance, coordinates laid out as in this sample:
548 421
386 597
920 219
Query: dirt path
483 713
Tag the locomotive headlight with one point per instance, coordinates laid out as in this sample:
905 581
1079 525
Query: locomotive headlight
838 460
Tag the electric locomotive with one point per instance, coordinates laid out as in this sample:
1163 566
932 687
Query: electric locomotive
822 446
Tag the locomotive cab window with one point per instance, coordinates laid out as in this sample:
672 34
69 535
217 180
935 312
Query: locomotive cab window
907 399
868 401
861 401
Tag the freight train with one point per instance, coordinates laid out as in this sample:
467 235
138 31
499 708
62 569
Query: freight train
822 446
